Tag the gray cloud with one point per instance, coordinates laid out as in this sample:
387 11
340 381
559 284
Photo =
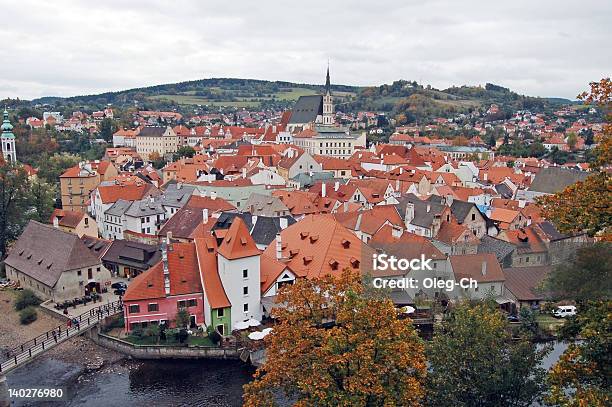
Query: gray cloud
544 47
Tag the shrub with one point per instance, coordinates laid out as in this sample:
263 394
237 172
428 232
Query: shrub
26 298
214 336
137 332
152 331
182 335
27 315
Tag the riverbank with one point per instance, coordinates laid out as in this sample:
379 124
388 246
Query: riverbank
12 332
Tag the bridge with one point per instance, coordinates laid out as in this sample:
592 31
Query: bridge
25 352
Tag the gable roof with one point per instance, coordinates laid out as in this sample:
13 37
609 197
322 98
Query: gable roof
43 252
183 270
523 282
555 179
237 242
306 109
471 266
67 218
206 250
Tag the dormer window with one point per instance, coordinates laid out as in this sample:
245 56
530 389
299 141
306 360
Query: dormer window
346 243
334 264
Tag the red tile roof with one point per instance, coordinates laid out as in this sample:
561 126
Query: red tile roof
206 249
237 242
184 275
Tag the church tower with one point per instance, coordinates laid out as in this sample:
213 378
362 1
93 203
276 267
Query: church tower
8 140
328 103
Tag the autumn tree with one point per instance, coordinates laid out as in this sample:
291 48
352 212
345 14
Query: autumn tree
41 199
474 361
583 374
367 357
587 205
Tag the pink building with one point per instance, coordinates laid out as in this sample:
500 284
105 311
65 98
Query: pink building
157 295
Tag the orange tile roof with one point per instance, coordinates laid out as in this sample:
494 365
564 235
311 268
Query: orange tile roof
471 265
206 249
67 218
408 245
503 215
237 242
270 269
206 202
131 192
319 245
184 275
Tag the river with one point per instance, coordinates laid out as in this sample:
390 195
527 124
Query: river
152 383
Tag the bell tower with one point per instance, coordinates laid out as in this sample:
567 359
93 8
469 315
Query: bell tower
328 103
8 140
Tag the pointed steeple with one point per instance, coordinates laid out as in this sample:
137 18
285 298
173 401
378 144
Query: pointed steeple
327 83
7 127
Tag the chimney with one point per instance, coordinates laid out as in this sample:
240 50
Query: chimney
323 189
253 219
213 195
244 172
428 208
401 170
164 248
409 213
202 193
179 185
336 186
55 222
397 185
484 268
485 176
283 223
279 247
151 198
205 215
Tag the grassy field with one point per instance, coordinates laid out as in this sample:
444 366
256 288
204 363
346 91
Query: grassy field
549 322
288 94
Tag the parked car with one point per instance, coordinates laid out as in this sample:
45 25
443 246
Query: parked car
119 291
564 311
119 285
513 318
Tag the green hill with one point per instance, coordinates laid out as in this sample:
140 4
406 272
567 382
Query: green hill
407 100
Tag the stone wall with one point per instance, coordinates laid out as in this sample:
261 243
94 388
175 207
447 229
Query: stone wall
160 351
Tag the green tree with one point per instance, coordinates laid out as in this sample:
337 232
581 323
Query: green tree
28 315
14 193
26 298
107 128
474 362
51 167
182 318
184 151
586 276
42 198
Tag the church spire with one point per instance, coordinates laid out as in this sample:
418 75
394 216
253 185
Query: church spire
7 139
327 84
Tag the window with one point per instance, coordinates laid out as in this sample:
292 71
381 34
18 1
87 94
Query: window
245 290
153 307
134 309
473 216
245 273
192 302
220 312
181 304
246 307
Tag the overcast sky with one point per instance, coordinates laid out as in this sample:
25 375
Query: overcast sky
535 47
